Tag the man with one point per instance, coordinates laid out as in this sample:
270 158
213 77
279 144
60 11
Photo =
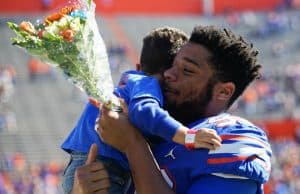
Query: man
141 90
208 74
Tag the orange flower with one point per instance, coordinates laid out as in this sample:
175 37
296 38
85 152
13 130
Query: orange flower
58 15
27 27
40 33
68 9
94 102
68 34
53 17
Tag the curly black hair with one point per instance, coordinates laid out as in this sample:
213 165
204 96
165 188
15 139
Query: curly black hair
233 59
160 47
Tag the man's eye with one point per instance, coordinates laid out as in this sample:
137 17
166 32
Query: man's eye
187 71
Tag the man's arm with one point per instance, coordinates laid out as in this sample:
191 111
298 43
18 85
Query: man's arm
116 130
146 174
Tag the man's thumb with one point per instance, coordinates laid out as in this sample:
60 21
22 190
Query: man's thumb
93 153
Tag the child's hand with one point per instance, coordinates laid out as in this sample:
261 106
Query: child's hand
207 138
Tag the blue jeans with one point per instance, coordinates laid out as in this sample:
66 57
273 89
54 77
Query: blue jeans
119 177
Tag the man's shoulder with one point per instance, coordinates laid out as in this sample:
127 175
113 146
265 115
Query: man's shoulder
227 123
245 148
231 126
222 121
227 120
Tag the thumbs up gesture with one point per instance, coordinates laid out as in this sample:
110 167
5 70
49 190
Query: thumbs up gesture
92 177
92 156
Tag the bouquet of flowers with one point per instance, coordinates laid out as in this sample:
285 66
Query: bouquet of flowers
70 40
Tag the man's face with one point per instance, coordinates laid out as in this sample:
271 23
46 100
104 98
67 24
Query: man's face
188 82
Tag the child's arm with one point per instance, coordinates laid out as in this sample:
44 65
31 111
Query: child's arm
147 115
202 138
145 112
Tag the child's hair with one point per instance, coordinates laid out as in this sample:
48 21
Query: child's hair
160 47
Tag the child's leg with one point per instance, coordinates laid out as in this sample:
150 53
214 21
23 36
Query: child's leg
76 159
119 177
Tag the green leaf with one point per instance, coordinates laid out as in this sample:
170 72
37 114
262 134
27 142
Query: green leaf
18 31
12 26
89 2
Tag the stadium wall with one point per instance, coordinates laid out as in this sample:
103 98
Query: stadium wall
222 6
146 6
281 129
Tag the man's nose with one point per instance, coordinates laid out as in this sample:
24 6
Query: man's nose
169 74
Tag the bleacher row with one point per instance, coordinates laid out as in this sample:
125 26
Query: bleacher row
47 110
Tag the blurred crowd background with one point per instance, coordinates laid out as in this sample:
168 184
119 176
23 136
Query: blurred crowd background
39 107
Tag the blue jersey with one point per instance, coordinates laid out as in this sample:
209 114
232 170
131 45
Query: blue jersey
240 166
144 98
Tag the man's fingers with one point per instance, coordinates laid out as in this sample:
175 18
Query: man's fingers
91 177
93 153
95 173
124 106
96 124
101 184
104 111
94 176
98 186
94 166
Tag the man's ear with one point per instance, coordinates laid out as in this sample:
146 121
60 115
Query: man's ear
138 67
224 91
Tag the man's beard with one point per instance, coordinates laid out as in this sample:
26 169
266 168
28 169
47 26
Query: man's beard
191 110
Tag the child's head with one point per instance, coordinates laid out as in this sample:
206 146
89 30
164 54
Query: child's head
160 47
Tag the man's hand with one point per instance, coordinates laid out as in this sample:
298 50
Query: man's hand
115 129
91 177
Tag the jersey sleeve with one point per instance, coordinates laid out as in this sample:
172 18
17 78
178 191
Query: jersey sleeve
146 112
215 185
244 154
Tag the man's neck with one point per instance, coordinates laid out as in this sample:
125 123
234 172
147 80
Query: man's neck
188 114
